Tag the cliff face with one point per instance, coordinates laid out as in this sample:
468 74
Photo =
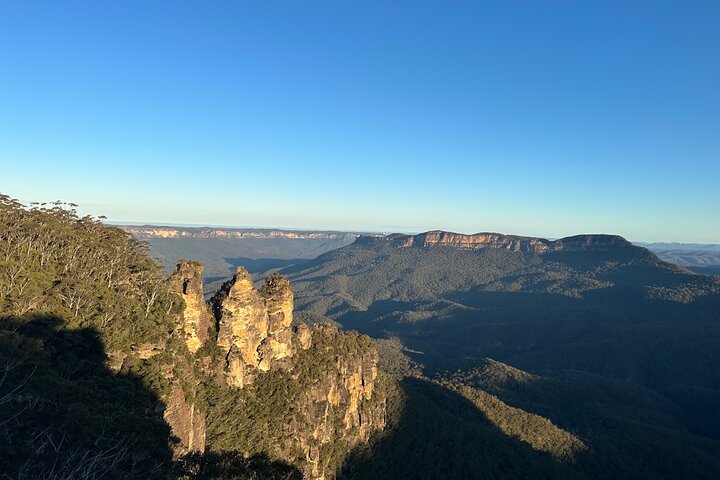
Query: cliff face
196 319
187 423
344 407
145 232
304 395
255 327
531 245
182 414
311 414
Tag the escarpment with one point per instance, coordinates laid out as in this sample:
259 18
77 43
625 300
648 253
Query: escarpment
345 406
301 394
514 243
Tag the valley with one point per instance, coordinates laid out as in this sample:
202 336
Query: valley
600 338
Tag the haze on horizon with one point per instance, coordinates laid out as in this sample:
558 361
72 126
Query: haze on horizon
544 119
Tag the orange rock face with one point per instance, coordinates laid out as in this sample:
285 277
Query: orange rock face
196 317
255 326
187 424
477 241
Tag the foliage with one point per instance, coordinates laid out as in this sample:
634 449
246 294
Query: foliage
434 432
64 415
75 296
90 275
234 466
529 427
72 289
281 412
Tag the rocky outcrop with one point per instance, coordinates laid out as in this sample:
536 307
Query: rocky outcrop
278 298
196 319
303 336
255 327
531 245
341 405
193 326
242 321
592 243
187 423
329 378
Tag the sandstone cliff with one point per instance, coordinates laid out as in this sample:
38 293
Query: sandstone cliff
577 243
185 418
196 319
255 327
146 232
255 383
343 406
331 400
187 423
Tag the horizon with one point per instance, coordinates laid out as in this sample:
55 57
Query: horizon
384 233
131 223
535 120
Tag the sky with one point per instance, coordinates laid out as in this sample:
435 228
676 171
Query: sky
535 118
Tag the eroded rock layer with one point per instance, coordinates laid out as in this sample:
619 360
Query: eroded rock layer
196 319
309 393
577 243
255 330
187 423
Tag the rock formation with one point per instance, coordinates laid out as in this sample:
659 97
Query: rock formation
333 375
341 406
196 318
193 326
531 245
187 423
255 326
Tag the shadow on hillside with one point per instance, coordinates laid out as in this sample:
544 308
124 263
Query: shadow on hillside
67 416
633 432
610 332
466 326
234 466
704 269
64 415
262 265
435 433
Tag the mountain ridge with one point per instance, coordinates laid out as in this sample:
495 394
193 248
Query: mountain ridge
516 243
143 232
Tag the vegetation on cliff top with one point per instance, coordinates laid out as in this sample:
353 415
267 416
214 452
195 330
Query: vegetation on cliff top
70 290
74 292
279 414
86 273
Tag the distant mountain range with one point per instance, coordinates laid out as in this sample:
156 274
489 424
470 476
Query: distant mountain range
222 248
150 231
622 346
698 257
431 286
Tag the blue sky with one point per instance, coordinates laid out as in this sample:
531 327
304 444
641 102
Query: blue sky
540 118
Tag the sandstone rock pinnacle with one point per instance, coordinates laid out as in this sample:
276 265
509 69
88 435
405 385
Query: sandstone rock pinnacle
196 318
255 326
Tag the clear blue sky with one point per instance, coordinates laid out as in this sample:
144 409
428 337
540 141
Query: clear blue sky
541 118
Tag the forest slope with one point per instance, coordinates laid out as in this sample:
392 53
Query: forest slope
623 345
